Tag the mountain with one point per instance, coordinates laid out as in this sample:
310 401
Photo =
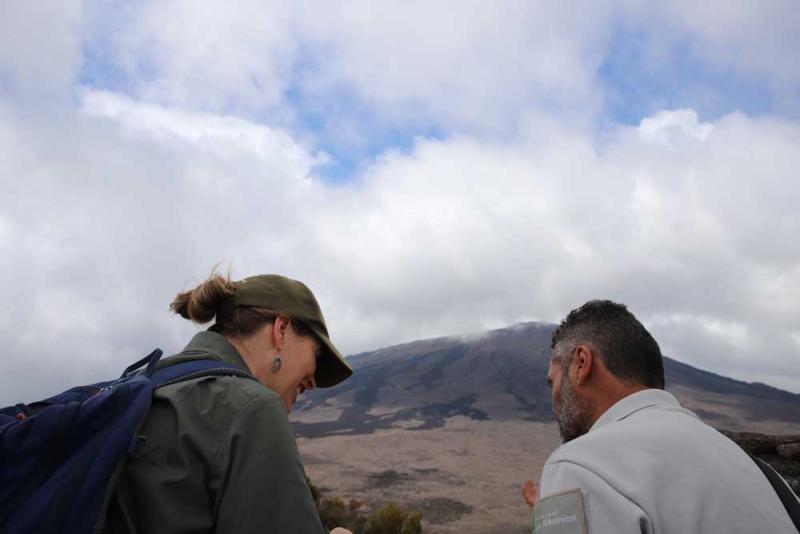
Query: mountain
501 375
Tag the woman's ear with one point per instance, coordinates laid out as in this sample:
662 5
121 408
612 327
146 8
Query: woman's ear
279 328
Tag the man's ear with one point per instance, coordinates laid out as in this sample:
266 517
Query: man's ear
583 363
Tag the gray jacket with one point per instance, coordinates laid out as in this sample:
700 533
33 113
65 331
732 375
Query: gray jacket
650 466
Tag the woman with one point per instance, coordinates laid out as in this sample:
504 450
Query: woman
218 452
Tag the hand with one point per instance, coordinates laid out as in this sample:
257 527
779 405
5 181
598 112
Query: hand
530 492
340 530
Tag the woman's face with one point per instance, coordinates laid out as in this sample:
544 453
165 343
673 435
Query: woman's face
298 364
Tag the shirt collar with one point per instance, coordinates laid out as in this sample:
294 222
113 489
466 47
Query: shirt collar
635 402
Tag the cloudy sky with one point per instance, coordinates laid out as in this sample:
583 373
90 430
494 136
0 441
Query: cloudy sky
428 168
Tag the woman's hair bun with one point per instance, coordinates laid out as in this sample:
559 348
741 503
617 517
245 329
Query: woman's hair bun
202 303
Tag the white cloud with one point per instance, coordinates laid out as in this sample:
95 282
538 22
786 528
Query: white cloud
41 47
484 67
480 66
796 337
455 236
755 351
210 133
105 225
211 55
667 128
735 335
109 209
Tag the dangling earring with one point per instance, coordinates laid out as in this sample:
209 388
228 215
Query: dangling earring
275 366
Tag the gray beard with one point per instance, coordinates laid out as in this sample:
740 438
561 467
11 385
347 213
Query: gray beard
574 415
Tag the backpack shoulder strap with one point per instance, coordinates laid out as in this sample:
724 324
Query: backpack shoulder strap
163 372
187 370
786 495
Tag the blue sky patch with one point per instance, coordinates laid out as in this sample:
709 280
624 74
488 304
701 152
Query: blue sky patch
642 78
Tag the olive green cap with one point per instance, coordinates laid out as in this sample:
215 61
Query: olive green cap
293 299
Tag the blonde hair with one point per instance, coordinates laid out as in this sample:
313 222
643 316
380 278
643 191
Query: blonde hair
204 302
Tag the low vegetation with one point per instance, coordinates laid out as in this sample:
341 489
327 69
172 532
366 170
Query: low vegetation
389 519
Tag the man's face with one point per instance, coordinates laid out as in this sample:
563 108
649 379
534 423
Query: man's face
572 412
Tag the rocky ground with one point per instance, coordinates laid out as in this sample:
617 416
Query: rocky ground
782 452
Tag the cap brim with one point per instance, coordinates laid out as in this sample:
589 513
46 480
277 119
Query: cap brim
332 367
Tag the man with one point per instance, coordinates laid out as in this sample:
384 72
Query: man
633 460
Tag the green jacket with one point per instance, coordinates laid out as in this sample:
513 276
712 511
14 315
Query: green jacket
219 456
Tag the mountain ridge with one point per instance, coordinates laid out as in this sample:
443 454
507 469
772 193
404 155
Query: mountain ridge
500 374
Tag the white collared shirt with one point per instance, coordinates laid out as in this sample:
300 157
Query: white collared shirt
648 465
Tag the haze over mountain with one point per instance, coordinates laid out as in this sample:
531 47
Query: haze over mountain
502 375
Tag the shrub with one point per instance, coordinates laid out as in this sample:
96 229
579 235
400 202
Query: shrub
334 513
394 519
390 519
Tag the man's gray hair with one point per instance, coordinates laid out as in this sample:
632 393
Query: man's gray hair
623 343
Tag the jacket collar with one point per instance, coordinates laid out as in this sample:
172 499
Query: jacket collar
627 406
214 346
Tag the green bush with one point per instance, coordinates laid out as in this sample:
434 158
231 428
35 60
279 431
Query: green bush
394 519
334 513
390 519
412 524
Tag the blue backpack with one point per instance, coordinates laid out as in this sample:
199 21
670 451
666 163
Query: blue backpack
60 457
